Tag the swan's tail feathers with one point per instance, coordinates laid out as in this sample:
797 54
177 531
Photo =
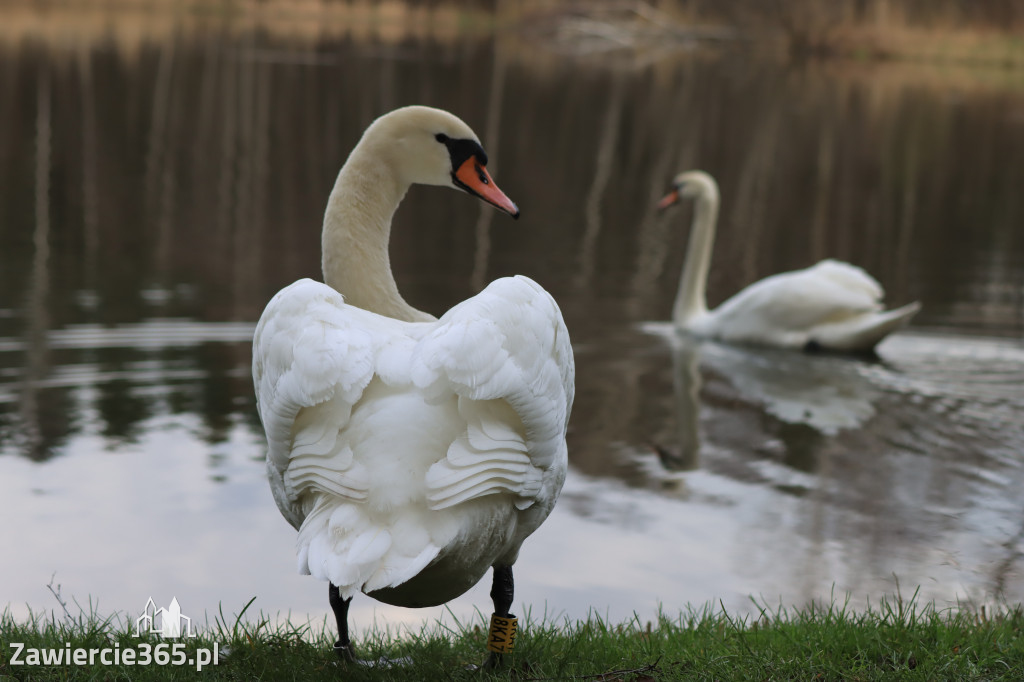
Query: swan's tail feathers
906 312
340 543
861 334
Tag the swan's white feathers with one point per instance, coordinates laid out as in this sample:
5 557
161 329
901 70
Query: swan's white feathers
491 424
832 303
799 300
309 366
521 354
381 432
850 277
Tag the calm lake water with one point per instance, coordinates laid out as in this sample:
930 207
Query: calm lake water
156 191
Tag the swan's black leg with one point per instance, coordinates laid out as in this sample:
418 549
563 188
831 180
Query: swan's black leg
502 593
502 590
342 647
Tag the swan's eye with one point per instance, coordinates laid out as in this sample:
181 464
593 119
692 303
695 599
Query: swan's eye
482 175
441 137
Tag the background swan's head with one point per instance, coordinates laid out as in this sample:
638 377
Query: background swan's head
693 184
429 146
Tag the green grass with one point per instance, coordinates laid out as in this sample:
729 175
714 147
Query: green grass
894 639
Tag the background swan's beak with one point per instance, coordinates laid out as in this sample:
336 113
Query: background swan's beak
669 199
473 178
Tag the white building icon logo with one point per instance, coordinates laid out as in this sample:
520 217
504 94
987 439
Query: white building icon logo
169 623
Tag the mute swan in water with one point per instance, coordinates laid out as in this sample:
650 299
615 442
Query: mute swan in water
831 305
411 453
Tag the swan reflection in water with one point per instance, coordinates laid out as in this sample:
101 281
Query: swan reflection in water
825 393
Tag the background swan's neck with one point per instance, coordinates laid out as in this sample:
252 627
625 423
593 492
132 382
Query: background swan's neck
691 301
356 232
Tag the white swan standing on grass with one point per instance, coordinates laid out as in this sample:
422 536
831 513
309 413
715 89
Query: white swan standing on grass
411 453
832 305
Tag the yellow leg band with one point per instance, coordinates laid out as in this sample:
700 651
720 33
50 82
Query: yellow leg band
501 638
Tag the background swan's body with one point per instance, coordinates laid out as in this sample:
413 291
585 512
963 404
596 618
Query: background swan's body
831 305
410 453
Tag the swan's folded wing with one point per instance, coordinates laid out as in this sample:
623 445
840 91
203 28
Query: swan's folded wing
849 277
797 301
312 358
506 354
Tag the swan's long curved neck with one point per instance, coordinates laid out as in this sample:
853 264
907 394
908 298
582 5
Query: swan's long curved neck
356 232
691 299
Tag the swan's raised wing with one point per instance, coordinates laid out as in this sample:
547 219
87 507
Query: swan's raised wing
849 277
503 356
312 358
506 354
783 309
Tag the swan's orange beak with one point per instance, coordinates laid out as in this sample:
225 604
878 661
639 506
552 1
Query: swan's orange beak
475 179
669 199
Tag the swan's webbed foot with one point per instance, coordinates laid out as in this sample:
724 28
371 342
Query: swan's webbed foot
348 657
